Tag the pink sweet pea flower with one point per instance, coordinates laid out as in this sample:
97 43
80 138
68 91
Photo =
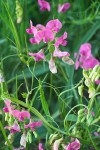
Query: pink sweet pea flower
73 145
21 115
59 54
57 143
8 107
85 59
61 40
38 56
40 146
32 29
54 25
44 5
97 82
85 50
32 125
46 35
14 128
52 66
64 7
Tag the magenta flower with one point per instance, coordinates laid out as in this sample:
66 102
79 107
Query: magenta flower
32 125
52 66
85 50
38 56
32 29
40 146
61 40
21 115
44 5
97 82
8 107
46 35
58 53
14 128
73 145
64 7
54 25
85 59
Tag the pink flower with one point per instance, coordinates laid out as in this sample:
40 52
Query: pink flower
40 146
64 7
32 29
96 133
38 56
44 5
97 81
14 128
56 144
73 145
46 35
58 53
54 25
52 66
8 107
32 125
61 40
85 50
85 59
21 115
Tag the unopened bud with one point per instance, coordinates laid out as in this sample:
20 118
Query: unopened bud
80 90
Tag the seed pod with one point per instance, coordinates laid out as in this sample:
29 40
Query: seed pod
19 11
80 90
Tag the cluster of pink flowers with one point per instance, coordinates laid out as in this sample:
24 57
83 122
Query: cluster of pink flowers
85 58
18 117
47 34
44 5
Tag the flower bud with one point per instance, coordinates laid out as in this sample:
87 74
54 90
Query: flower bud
80 90
19 11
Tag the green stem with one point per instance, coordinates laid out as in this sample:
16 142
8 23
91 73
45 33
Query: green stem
5 136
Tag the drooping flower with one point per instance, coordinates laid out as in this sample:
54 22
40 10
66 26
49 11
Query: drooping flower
38 56
21 115
23 140
40 146
44 5
14 128
73 145
56 144
61 40
33 125
59 54
64 7
54 25
52 66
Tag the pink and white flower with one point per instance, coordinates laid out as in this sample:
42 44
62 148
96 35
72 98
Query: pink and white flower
52 66
59 54
14 128
64 7
38 56
40 146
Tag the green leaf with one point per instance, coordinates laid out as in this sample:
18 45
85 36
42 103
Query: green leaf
43 100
